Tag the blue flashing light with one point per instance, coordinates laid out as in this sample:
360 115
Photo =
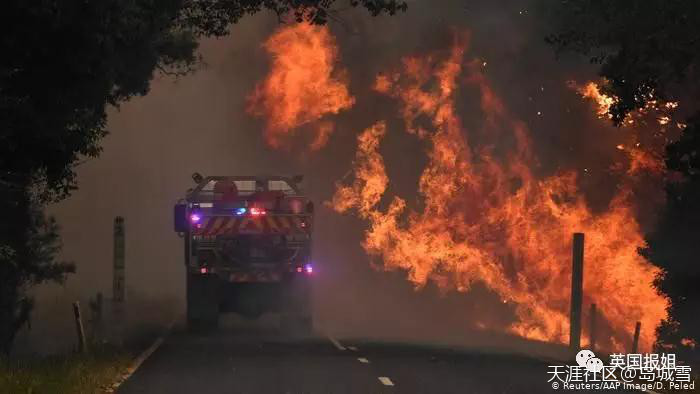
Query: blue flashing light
240 211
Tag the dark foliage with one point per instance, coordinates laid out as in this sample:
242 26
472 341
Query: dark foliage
675 244
31 243
63 63
646 48
213 17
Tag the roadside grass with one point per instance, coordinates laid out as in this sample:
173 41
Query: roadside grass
93 372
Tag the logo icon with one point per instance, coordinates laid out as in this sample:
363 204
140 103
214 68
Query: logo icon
587 359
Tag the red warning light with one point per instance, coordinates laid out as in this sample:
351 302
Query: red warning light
255 211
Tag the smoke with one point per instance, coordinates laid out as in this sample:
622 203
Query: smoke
199 123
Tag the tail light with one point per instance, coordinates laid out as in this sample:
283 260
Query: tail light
255 211
307 269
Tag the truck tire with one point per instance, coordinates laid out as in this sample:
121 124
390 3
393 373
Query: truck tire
296 318
202 302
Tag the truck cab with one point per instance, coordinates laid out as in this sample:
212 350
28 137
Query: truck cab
247 246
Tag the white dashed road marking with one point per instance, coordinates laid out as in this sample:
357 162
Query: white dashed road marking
336 343
353 348
386 381
363 360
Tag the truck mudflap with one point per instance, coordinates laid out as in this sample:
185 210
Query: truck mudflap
272 224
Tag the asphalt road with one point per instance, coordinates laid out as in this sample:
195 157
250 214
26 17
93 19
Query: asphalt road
263 360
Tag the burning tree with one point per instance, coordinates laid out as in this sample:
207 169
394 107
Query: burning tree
649 51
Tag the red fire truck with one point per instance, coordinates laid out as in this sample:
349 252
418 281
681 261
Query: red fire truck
247 248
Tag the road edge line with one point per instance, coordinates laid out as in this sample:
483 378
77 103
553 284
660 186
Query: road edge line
143 356
335 342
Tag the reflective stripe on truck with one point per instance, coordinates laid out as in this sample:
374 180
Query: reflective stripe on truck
230 225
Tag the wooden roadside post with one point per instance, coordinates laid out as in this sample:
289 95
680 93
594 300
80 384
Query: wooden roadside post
119 279
592 328
119 266
635 341
576 293
82 345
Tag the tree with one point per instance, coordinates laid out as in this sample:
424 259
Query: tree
27 258
673 245
650 50
62 64
213 17
647 49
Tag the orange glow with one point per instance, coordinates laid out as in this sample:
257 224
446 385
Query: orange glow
488 219
592 91
689 342
303 85
641 160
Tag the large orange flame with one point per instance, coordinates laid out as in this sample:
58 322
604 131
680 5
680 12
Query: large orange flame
303 86
489 219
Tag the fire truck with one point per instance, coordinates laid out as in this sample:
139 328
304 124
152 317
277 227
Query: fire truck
247 242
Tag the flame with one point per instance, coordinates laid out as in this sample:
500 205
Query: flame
303 86
648 159
689 343
641 160
591 90
490 220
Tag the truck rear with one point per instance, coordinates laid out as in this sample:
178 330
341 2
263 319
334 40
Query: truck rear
247 248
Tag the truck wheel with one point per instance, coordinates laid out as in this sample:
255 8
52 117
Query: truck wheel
202 302
296 317
296 324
